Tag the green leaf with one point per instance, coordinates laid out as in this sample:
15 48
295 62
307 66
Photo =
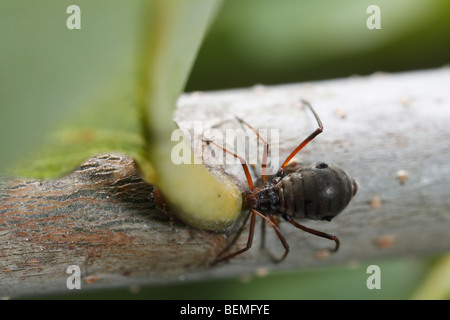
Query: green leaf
111 86
199 198
66 95
436 285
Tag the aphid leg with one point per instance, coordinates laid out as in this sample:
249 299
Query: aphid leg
263 230
255 174
314 232
266 148
235 238
274 219
263 236
243 163
304 143
249 241
274 224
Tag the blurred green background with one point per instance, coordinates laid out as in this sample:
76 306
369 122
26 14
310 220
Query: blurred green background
275 42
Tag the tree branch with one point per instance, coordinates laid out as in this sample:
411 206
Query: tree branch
390 132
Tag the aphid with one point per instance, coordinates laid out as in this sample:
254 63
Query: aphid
316 191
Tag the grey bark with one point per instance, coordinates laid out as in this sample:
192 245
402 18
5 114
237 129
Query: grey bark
389 131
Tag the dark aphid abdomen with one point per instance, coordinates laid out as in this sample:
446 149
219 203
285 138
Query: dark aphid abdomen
316 191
